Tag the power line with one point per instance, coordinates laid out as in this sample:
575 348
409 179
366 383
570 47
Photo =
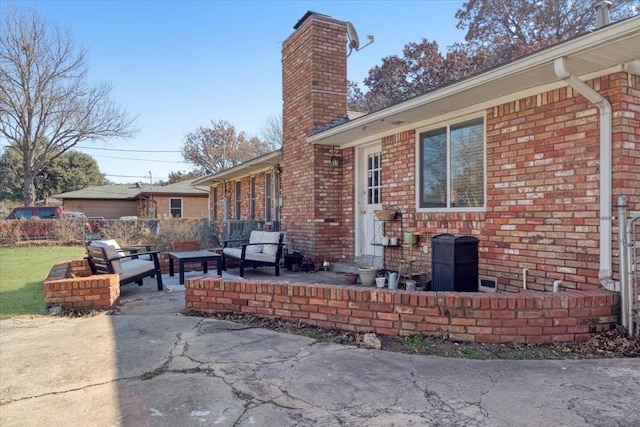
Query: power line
141 160
131 151
132 176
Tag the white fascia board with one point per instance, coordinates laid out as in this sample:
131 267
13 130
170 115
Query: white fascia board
544 58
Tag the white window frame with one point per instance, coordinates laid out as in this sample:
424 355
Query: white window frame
171 199
237 201
418 159
252 197
268 196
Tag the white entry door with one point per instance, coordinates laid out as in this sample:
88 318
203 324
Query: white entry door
369 192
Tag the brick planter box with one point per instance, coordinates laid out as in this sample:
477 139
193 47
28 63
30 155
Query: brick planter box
71 286
526 317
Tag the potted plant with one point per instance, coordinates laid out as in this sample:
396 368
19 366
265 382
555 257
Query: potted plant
351 278
367 275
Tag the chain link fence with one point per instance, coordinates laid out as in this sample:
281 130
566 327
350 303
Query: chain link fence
157 232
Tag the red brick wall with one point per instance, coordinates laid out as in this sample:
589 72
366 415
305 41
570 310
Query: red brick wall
542 173
625 101
314 93
245 202
81 292
526 317
542 187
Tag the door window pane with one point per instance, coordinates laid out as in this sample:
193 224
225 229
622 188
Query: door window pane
374 176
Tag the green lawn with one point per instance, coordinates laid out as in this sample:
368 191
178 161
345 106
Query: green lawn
22 271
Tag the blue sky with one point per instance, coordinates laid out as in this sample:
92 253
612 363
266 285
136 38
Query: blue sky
177 65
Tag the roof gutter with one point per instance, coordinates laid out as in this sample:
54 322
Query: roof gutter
606 272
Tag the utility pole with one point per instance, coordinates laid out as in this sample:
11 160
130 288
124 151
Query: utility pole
150 195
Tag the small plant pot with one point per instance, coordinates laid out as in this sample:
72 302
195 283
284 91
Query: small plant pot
410 238
351 278
410 285
380 281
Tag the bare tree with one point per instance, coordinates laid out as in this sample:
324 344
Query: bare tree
46 103
221 147
512 28
271 132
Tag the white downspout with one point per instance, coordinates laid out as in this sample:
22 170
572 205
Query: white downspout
606 264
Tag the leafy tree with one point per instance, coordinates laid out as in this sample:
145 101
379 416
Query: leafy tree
46 103
221 147
512 28
70 171
497 32
183 176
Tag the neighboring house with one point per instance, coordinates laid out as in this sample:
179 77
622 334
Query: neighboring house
249 191
528 157
181 200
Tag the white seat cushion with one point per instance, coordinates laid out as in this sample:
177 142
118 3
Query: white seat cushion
134 267
251 256
259 257
233 252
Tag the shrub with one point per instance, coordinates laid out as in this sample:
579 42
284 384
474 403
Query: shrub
177 229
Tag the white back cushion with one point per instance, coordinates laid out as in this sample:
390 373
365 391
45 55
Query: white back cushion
270 237
104 243
112 252
255 237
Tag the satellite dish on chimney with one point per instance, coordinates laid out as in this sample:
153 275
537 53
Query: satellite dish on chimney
354 41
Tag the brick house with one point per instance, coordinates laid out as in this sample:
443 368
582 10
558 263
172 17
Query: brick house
528 157
181 199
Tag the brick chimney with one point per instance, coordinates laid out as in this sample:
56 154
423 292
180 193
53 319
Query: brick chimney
314 93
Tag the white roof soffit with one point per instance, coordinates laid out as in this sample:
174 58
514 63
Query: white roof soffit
247 168
603 49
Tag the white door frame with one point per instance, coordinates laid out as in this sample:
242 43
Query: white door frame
365 228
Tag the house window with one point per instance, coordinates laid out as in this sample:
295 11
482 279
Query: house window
374 181
175 206
215 204
267 197
451 168
252 198
238 203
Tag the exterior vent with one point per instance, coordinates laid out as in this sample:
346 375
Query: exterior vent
487 284
603 16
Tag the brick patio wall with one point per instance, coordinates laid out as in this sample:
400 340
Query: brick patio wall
525 317
71 286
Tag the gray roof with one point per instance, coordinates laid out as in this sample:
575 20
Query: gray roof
243 169
132 192
587 56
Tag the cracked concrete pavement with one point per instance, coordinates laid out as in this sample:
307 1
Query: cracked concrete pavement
150 365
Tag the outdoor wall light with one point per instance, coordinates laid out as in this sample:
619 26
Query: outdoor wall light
335 162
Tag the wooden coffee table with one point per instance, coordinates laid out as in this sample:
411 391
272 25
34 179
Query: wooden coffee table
202 257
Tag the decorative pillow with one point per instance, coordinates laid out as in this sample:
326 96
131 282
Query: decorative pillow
254 248
270 237
255 237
